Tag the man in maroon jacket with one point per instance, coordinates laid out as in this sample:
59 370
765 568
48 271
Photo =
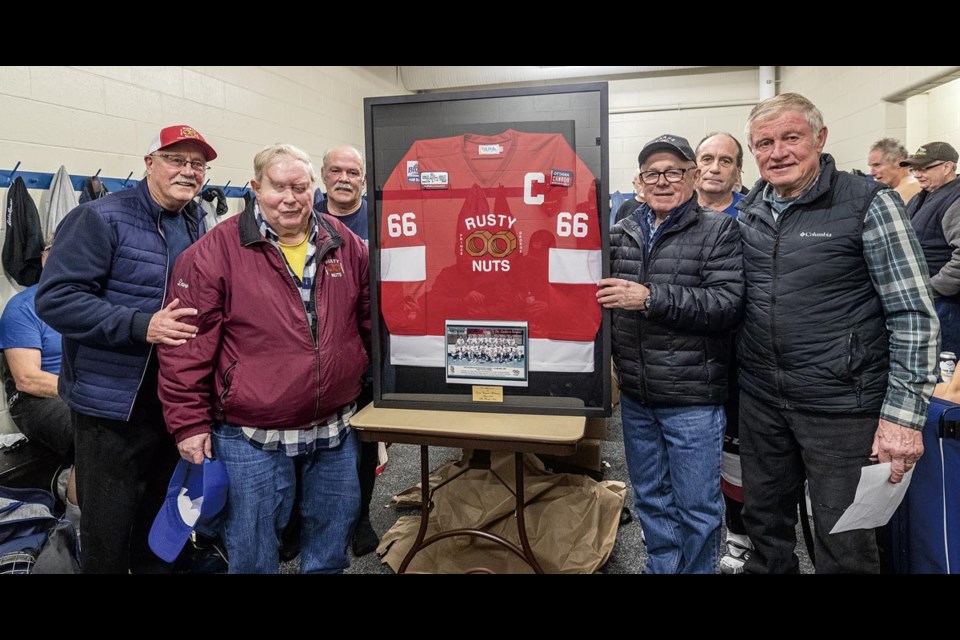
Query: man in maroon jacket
269 383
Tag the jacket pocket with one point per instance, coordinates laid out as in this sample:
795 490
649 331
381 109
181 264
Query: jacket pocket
855 364
227 383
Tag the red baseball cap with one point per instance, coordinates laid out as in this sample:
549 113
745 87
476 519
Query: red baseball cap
181 133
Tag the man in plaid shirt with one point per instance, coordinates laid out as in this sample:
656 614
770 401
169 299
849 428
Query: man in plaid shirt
838 346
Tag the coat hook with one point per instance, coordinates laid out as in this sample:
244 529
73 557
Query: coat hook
243 189
97 173
205 185
225 186
14 172
128 179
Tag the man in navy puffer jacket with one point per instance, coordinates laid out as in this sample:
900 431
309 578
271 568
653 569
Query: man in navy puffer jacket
104 288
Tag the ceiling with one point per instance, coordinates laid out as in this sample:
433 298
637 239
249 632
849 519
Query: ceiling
437 78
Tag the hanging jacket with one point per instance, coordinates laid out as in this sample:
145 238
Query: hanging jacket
23 242
93 189
213 201
59 200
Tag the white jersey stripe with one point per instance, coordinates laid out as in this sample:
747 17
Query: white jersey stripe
403 264
575 266
564 356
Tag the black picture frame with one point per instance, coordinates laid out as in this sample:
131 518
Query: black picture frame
578 113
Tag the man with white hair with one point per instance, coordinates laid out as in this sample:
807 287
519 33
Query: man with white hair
838 345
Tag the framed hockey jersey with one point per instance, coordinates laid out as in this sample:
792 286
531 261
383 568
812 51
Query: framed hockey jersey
490 221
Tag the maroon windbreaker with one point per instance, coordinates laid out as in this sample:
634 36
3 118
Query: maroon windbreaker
254 361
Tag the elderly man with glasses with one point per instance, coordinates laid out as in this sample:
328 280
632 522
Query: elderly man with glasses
935 215
106 289
676 293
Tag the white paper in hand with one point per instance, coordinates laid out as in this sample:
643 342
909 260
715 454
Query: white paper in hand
876 499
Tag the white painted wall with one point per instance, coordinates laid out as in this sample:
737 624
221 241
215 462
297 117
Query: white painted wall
939 111
630 131
856 114
91 118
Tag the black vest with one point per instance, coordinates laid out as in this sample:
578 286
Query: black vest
814 334
926 214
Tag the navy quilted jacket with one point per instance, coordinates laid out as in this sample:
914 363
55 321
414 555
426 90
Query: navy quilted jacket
103 281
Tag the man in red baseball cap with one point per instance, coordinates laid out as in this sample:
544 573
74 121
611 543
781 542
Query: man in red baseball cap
106 288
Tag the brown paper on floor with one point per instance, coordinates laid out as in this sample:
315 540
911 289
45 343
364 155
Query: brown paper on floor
571 520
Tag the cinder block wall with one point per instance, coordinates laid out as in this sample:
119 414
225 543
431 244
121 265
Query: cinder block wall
630 131
102 118
856 114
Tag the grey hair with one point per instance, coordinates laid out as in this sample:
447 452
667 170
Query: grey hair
773 107
329 152
266 156
890 149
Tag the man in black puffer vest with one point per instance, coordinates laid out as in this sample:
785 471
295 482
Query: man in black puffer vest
935 215
676 293
838 345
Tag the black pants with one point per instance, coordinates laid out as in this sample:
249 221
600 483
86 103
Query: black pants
45 420
123 469
778 448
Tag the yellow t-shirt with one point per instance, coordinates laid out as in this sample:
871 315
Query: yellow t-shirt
296 255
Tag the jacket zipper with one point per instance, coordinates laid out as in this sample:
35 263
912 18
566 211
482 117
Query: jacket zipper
321 252
778 370
642 245
163 299
316 294
858 386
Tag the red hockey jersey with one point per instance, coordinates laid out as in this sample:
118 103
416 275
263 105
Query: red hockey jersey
500 227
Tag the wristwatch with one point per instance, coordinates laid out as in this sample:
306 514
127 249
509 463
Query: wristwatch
647 301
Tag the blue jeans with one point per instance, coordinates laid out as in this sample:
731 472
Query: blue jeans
948 311
673 456
261 495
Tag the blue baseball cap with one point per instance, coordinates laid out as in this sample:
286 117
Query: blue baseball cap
196 494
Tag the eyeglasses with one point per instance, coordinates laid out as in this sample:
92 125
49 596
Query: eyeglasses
180 162
916 170
671 175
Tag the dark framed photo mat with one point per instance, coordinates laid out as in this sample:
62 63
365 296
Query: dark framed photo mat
578 112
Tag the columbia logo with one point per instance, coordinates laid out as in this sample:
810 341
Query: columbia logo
815 234
181 283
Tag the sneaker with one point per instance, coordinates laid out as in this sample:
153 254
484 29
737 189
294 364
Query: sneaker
737 552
